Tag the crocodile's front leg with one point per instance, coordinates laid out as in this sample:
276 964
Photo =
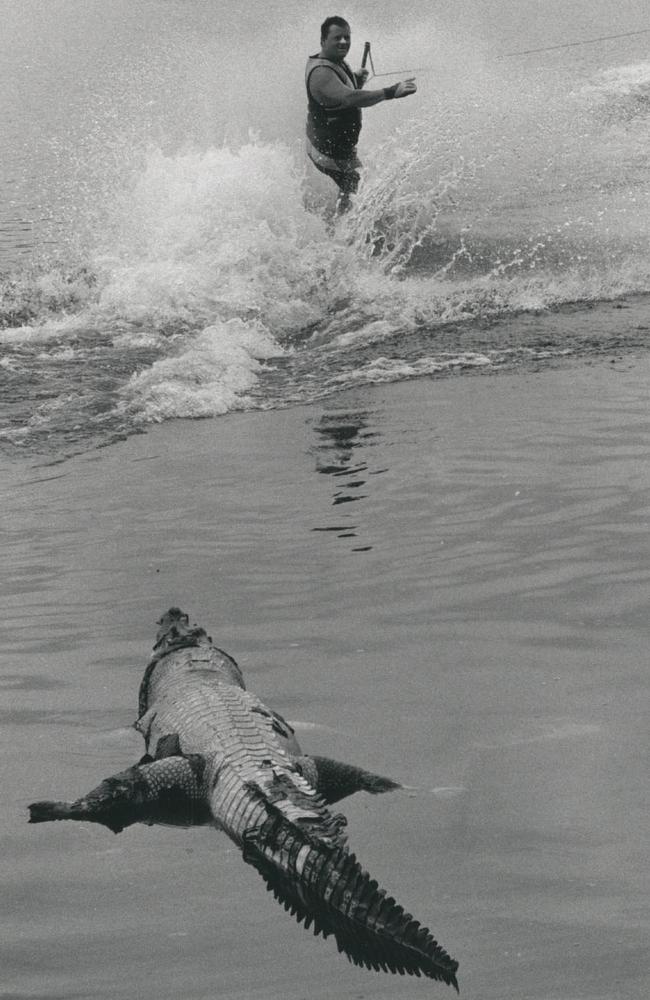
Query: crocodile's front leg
167 791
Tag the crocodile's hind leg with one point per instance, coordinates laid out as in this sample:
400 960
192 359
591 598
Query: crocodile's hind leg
168 790
334 780
167 746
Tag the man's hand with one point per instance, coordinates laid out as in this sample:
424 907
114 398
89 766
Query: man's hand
362 75
406 87
402 89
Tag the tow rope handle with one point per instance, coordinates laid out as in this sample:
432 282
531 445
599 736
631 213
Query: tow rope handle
367 56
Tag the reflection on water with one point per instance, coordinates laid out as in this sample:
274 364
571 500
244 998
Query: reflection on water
342 437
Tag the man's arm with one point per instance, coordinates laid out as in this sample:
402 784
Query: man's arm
330 92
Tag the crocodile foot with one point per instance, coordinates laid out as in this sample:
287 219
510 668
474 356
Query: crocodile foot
167 791
334 780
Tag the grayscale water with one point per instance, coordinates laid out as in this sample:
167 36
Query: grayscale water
416 512
166 253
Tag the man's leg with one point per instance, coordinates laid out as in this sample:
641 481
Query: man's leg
348 182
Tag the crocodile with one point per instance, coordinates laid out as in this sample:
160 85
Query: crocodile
216 755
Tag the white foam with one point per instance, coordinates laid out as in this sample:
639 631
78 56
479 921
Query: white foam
211 264
622 81
204 236
394 369
211 376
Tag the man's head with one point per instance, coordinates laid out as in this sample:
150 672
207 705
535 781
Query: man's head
335 38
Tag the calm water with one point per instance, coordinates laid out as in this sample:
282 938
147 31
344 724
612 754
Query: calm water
166 253
446 581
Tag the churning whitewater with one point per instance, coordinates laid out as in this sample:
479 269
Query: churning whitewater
196 281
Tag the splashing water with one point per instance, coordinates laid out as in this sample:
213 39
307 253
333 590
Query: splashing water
217 279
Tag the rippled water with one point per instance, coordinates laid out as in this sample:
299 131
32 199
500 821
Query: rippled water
445 581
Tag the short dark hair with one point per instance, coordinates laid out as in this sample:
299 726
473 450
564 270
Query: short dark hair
340 22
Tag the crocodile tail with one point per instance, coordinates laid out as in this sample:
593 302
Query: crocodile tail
326 886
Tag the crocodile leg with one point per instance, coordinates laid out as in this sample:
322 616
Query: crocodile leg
167 746
334 780
166 791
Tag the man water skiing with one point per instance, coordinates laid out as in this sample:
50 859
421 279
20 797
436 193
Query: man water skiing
334 103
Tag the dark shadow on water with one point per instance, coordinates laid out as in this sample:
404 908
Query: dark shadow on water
28 682
342 437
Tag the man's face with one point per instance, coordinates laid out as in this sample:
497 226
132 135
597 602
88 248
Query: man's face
337 44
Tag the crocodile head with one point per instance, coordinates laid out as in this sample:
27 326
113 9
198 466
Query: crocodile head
171 619
175 629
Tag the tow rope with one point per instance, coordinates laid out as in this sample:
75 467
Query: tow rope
367 55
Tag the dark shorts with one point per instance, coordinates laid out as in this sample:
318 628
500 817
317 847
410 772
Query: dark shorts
346 180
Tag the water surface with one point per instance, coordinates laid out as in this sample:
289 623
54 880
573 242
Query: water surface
444 581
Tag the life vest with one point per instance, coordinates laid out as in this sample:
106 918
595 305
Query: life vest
332 131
